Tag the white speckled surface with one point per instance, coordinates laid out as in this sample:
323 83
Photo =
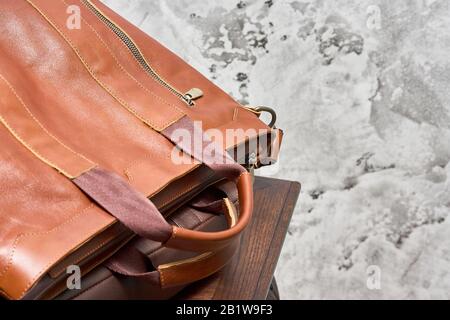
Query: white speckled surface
362 91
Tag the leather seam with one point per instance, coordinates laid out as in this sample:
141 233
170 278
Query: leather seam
162 278
235 114
30 283
93 75
182 175
183 192
174 233
129 53
122 67
136 162
230 212
18 137
5 294
20 237
242 173
78 260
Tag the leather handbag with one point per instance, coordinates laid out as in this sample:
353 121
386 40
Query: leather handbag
116 158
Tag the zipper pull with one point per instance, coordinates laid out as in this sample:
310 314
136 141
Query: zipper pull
192 95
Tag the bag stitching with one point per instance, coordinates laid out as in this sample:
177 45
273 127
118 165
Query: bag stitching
183 192
44 129
127 49
77 260
105 87
20 237
31 282
122 67
138 162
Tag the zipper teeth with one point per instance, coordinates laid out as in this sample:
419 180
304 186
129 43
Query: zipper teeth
135 52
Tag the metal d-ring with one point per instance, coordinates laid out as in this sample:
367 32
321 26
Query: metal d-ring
273 114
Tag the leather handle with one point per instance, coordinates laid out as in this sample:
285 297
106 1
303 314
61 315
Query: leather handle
199 267
180 272
140 215
192 240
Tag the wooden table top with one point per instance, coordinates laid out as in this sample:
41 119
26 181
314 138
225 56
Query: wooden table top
250 273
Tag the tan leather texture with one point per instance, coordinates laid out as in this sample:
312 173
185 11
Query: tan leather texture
72 100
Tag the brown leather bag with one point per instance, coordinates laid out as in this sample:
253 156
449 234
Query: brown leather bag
93 119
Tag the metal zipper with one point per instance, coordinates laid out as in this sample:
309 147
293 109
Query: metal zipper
188 97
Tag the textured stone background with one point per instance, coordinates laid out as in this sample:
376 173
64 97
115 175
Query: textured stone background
362 91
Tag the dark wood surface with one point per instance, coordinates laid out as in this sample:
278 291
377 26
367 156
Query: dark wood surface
249 275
